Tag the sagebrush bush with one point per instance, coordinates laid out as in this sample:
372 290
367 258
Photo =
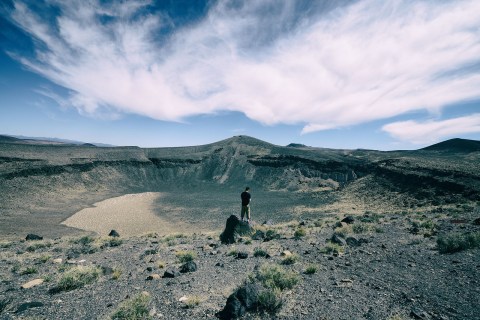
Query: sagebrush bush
299 233
360 228
259 252
270 300
274 276
192 302
29 270
311 269
455 242
185 256
135 308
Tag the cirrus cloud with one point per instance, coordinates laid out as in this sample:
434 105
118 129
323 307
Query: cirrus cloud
276 63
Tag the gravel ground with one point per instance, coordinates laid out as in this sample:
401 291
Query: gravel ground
394 274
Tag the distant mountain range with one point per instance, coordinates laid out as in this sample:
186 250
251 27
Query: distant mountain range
45 140
451 145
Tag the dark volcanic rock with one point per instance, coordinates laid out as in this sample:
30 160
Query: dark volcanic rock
348 219
28 305
171 273
114 233
228 235
419 314
258 235
233 229
189 266
338 240
238 303
353 242
476 222
242 255
31 237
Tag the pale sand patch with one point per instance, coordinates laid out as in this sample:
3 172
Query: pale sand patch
130 215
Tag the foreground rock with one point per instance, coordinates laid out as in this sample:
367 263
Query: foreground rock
234 228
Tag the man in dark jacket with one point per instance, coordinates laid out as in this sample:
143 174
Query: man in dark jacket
246 203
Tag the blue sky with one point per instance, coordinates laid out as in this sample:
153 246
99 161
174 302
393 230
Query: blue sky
340 74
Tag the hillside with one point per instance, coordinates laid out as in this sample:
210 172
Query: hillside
48 183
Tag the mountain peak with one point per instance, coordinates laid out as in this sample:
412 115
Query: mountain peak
455 145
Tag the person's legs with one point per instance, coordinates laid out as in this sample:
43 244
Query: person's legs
248 213
243 212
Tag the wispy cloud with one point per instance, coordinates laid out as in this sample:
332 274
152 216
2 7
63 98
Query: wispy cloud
356 63
433 131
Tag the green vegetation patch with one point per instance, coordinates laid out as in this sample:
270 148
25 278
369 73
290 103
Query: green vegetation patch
259 252
270 300
185 256
311 269
135 308
455 242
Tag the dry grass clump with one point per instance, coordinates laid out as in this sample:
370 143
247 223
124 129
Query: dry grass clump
185 256
135 308
38 245
5 244
290 259
77 277
332 248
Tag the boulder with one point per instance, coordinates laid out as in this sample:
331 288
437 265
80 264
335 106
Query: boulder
114 234
244 299
189 266
476 222
338 240
242 255
348 219
153 277
233 229
33 237
171 273
353 242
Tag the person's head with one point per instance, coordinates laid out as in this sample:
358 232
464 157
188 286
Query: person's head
247 189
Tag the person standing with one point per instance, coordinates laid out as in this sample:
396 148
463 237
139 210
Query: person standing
246 203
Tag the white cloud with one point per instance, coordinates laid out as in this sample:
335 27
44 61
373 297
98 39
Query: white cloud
433 131
370 60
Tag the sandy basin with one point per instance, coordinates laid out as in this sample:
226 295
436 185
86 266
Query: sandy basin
130 215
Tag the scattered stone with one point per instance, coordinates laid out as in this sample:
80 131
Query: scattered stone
57 261
348 219
419 314
33 237
302 223
206 248
219 264
189 266
242 255
267 223
182 299
153 277
114 234
476 222
29 305
107 270
286 253
32 283
149 269
352 242
384 246
171 273
338 240
258 235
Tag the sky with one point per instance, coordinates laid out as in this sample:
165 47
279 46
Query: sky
371 74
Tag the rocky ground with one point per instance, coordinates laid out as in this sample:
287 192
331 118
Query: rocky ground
383 266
